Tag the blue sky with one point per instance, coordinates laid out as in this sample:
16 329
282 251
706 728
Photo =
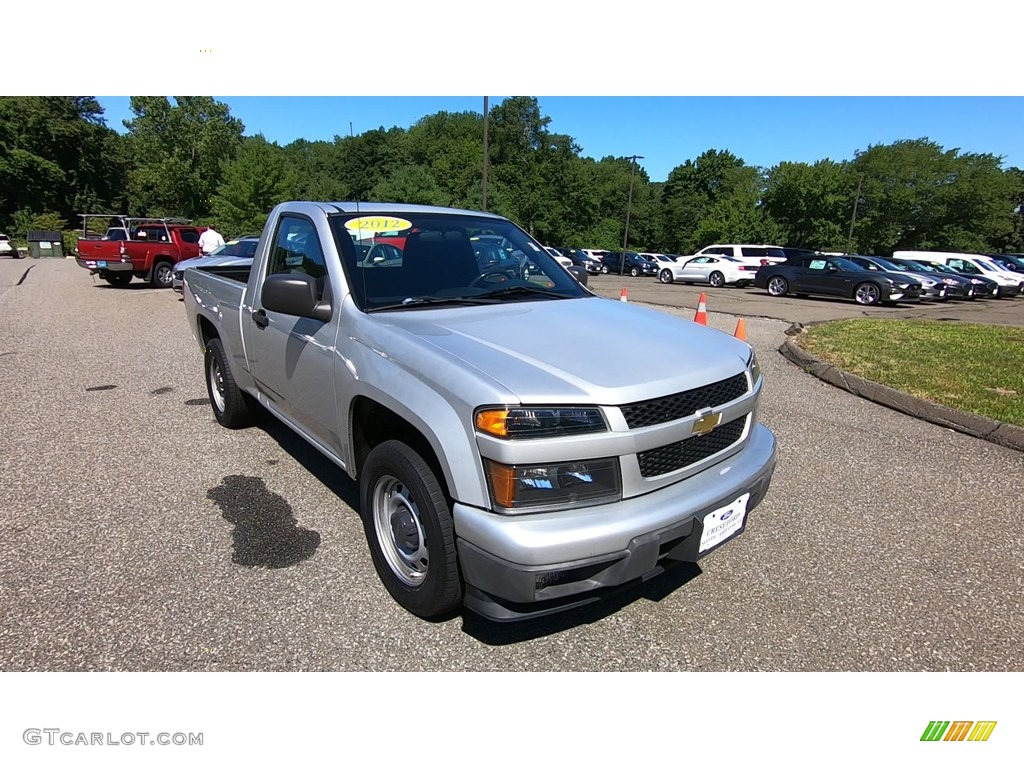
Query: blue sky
668 130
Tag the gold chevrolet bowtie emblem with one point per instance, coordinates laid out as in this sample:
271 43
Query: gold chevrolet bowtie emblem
705 424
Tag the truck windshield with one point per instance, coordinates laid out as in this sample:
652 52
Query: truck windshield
412 259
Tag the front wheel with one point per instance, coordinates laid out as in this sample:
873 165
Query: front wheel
665 276
634 272
604 269
717 279
867 294
777 286
409 529
163 274
232 407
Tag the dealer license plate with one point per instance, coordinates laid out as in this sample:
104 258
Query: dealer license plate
723 523
101 264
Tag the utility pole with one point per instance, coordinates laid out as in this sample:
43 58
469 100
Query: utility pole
487 153
849 241
629 204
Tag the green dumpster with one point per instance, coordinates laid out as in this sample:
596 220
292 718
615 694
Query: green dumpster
45 242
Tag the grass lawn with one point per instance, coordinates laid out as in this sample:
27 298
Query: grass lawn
976 368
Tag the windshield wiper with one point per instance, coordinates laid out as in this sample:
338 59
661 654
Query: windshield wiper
433 301
523 290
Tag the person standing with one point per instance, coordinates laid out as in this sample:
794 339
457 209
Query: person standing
209 240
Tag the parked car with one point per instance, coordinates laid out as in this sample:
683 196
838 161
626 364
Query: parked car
932 288
984 287
595 254
957 286
503 464
1010 283
582 259
630 263
556 254
751 254
835 276
8 248
1008 261
233 253
716 271
153 248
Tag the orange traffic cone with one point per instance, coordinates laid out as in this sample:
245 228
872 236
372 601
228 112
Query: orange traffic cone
741 330
622 297
702 310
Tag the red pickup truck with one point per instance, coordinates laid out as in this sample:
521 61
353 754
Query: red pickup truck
150 252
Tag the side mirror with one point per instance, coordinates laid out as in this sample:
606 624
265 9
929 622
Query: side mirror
295 294
580 273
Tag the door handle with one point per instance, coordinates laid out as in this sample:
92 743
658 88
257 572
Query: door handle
260 318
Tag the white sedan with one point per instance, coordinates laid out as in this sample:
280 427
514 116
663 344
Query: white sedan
716 271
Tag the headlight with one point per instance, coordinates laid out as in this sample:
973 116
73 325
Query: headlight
901 286
535 486
949 281
520 423
754 369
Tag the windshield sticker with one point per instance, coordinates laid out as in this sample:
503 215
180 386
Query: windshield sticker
380 225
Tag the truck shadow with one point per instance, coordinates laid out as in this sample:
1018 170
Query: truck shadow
481 629
318 465
655 590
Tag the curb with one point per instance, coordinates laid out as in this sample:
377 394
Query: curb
998 432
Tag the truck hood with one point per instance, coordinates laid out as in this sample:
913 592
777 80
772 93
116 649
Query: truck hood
590 350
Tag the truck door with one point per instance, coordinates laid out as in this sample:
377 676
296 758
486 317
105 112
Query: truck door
188 242
293 357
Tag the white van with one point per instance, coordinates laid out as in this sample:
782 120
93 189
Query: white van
1010 283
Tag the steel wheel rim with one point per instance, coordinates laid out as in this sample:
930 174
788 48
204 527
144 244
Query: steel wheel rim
163 275
776 286
666 276
867 294
396 519
216 384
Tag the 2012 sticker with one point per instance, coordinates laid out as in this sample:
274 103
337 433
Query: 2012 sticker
377 224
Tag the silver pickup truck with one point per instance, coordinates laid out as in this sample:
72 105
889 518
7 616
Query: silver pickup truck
521 445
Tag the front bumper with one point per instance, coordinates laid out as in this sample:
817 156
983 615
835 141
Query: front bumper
520 566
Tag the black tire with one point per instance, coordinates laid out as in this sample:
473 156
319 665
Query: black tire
634 272
716 279
232 407
118 279
604 269
409 529
163 274
777 286
867 294
666 276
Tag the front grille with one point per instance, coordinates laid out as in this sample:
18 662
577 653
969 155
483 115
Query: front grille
669 458
683 404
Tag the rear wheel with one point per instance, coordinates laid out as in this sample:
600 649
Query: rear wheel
717 279
409 529
665 276
777 286
163 274
118 279
232 407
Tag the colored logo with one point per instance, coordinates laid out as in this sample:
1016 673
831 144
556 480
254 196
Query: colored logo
958 730
727 515
705 424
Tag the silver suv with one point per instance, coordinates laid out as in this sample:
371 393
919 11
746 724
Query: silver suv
6 246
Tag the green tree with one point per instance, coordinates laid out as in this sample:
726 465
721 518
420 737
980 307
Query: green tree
254 182
178 152
410 184
811 203
57 155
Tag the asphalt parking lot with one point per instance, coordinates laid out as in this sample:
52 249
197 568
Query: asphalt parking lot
137 534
